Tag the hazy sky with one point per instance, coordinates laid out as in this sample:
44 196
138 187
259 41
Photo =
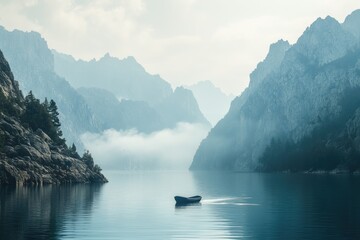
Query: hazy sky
185 41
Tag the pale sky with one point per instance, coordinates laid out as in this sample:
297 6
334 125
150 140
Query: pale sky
185 41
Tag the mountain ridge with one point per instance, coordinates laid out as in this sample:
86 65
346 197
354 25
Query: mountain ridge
125 78
287 103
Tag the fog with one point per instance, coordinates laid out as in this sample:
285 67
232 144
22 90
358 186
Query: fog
130 149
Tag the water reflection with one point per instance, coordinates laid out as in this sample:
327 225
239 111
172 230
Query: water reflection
41 212
140 205
185 205
285 206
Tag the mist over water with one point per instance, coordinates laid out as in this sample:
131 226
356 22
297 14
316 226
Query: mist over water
165 149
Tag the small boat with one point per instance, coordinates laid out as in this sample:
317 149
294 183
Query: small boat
187 200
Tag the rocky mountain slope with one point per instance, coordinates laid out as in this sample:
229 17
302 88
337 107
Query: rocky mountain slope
293 95
33 67
29 156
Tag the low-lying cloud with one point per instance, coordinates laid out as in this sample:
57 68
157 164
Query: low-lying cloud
165 149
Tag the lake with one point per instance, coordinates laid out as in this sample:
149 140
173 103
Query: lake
140 205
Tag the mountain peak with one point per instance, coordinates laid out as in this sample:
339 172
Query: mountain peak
181 89
324 41
107 57
279 44
130 59
321 24
271 62
32 43
352 23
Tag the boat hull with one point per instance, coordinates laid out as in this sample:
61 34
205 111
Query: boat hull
187 200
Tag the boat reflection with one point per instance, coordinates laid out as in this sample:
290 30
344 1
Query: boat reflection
185 205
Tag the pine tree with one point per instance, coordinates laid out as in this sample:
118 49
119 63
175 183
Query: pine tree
53 110
30 98
54 115
88 159
42 116
73 152
46 104
35 115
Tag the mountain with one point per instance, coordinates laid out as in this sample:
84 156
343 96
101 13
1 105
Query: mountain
213 103
351 23
121 115
31 148
180 106
300 108
148 102
33 67
125 78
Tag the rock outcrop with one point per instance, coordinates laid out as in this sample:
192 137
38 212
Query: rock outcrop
32 157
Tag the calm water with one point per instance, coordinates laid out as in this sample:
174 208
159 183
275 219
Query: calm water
140 205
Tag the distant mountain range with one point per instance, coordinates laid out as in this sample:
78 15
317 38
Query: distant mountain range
139 93
301 111
125 78
213 103
112 93
121 115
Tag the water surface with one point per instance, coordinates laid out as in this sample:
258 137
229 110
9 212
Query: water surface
140 205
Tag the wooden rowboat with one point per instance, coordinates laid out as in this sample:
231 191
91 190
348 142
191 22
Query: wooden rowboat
187 200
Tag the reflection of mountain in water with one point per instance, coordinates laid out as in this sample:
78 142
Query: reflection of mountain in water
282 206
41 212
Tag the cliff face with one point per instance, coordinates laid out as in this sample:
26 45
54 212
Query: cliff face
28 156
288 98
33 66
